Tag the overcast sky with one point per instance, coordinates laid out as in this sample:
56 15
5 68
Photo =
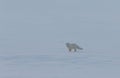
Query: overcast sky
45 25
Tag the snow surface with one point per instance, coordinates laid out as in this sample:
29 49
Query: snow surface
60 65
33 34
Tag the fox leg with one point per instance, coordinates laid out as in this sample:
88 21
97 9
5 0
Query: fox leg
70 50
75 50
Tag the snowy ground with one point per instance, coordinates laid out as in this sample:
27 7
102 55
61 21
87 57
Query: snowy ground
33 34
60 65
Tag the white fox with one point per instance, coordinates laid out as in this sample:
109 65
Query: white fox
73 46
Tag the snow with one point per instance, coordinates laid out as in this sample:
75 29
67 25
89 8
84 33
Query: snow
33 34
60 65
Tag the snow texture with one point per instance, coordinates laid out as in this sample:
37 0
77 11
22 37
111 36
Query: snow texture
33 34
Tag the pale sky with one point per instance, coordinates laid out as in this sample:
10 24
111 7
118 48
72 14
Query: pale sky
45 25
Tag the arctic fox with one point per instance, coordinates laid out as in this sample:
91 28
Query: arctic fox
73 46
